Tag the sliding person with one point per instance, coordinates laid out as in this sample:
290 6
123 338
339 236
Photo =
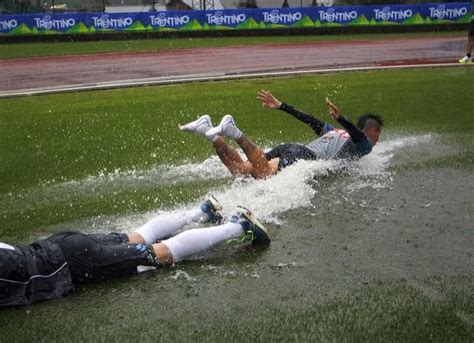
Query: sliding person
354 141
55 266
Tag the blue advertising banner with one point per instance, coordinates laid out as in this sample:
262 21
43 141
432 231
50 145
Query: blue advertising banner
78 23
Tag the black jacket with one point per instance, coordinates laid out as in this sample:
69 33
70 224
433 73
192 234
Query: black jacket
31 273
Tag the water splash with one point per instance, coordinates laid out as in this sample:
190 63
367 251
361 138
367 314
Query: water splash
383 153
292 188
210 169
296 186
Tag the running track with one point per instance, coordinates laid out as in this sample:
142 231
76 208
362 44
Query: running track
57 74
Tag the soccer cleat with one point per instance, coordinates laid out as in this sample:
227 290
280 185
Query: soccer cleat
200 126
212 207
226 128
466 59
254 230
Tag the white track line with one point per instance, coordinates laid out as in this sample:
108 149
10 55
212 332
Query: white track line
175 79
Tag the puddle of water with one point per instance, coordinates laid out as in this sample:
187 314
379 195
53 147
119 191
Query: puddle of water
292 188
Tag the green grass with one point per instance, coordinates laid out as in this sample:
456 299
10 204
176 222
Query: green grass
58 138
388 312
378 266
21 50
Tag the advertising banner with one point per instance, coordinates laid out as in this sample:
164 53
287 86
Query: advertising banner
243 19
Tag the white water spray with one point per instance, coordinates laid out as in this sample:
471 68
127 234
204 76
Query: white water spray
292 188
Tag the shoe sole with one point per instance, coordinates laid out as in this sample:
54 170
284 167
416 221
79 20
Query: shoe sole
215 203
261 234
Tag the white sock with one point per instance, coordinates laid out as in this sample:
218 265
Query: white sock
196 241
200 126
227 127
164 225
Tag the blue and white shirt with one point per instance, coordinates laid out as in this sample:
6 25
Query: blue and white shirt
333 143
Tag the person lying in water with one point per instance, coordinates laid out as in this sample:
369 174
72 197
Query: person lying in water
354 141
55 266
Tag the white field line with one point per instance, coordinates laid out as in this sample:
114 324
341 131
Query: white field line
176 79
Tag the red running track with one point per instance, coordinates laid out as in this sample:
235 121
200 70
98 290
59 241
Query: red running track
55 72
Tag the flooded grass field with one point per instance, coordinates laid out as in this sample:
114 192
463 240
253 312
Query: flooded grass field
376 250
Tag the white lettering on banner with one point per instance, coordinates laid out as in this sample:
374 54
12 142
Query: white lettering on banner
163 20
275 17
386 14
48 23
105 22
332 16
219 18
441 12
8 24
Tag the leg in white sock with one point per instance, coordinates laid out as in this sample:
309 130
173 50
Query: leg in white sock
227 127
196 241
164 225
200 126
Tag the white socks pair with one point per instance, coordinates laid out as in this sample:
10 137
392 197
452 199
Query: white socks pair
165 225
190 242
203 126
197 241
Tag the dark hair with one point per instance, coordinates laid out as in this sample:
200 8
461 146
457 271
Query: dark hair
370 119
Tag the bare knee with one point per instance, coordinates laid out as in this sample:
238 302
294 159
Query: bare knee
268 169
135 237
261 167
163 254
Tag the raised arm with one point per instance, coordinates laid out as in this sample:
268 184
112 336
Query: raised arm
356 135
268 100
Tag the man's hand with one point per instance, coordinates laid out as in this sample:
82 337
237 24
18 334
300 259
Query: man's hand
333 110
268 100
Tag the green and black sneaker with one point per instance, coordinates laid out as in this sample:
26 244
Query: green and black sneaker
255 231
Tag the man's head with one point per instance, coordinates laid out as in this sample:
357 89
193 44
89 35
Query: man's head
371 124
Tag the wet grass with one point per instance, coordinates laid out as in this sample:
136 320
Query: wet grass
381 311
64 137
25 50
59 138
386 265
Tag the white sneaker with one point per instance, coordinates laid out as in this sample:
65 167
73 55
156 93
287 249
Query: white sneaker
226 128
465 60
200 126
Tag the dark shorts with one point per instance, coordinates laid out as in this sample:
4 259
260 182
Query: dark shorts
471 28
290 153
102 257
